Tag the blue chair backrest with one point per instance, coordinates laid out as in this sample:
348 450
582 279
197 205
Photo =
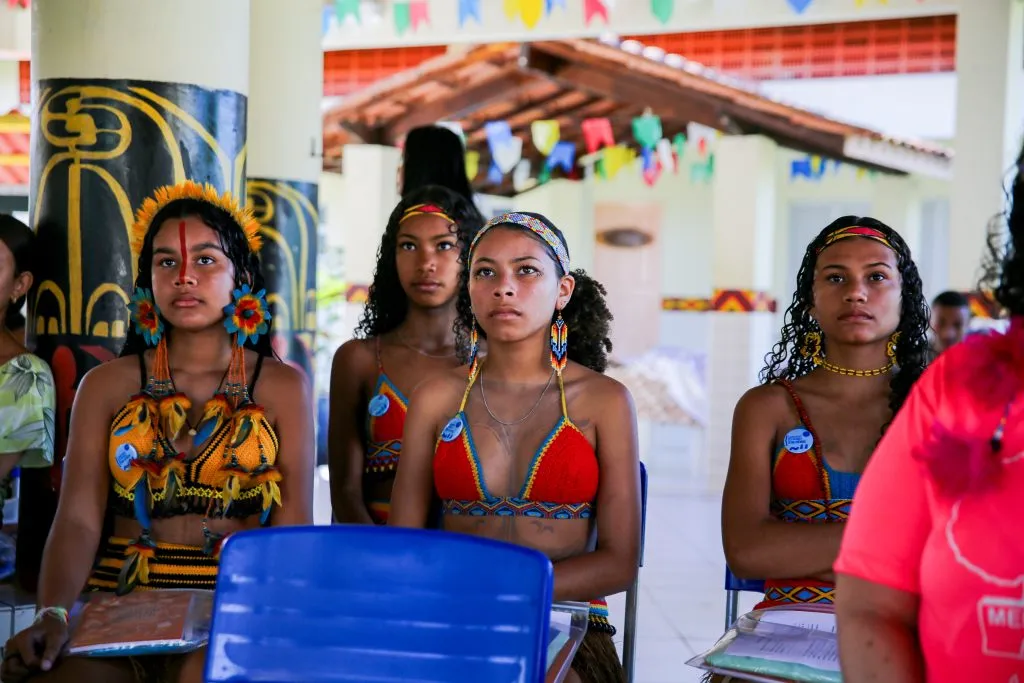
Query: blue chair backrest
355 602
643 510
734 583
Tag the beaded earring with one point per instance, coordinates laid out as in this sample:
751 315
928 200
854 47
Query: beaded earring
559 344
474 349
246 319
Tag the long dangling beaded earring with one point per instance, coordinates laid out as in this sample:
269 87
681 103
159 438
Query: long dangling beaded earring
474 349
559 344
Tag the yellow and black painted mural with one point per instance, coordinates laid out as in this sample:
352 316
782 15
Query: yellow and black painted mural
99 147
288 212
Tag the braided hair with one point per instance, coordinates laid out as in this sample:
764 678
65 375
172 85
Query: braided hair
387 303
586 315
785 360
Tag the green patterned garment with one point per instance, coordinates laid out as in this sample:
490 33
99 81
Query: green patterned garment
27 410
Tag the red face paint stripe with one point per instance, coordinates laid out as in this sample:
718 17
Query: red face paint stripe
183 270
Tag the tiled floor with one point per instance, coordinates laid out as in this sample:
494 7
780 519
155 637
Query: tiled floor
682 603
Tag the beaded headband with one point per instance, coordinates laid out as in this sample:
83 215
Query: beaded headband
163 196
855 231
424 209
534 225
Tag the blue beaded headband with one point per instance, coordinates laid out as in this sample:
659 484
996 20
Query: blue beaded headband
534 225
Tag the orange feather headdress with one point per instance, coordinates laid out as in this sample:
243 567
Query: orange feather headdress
189 189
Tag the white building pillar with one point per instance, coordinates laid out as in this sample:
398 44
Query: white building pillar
990 112
369 195
897 203
742 320
285 163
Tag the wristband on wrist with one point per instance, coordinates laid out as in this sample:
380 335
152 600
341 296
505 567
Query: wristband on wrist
57 612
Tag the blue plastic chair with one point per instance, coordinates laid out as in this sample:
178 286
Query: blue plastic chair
733 586
633 594
360 603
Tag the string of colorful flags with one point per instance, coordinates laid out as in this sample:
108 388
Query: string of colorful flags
814 168
411 14
658 154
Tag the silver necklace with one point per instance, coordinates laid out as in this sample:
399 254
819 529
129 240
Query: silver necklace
524 417
424 353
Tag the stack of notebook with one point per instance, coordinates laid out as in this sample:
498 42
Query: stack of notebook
779 644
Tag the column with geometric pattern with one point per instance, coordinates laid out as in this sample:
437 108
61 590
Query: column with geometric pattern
742 307
127 97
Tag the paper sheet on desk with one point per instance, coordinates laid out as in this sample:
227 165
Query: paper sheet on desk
814 652
803 619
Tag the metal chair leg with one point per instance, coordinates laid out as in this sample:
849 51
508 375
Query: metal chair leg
629 635
732 600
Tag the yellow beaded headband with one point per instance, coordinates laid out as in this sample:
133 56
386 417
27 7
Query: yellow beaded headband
425 209
226 202
855 231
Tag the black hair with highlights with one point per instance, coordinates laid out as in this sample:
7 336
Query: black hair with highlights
586 315
434 155
235 246
387 303
912 353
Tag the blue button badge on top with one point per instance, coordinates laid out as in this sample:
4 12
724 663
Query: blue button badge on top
452 430
379 405
798 440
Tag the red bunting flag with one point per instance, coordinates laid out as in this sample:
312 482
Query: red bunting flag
597 133
419 13
594 8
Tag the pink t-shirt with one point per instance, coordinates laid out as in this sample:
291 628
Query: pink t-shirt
962 554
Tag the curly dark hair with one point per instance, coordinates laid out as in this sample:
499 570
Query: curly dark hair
387 302
1003 271
912 354
586 315
235 246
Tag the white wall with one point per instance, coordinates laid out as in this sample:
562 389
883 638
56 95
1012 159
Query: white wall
906 105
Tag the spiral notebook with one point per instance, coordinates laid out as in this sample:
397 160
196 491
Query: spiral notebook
142 622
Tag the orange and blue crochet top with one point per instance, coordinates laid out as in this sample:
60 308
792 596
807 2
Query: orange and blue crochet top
805 489
231 474
561 481
385 420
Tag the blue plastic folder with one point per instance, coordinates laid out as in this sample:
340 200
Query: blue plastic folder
568 626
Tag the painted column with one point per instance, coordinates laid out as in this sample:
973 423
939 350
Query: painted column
743 324
127 97
284 165
989 118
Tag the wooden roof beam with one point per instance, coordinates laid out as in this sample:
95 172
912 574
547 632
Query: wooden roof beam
627 88
457 106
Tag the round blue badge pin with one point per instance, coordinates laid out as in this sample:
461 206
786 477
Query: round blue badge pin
379 405
452 430
798 440
124 456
